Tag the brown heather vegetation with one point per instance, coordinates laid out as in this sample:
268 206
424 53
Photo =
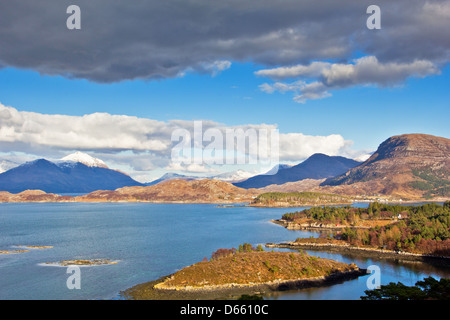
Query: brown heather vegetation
409 166
254 267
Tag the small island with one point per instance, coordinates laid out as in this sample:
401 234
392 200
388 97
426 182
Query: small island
26 249
81 262
12 251
35 247
231 273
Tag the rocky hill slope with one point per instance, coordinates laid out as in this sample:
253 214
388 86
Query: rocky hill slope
410 165
197 191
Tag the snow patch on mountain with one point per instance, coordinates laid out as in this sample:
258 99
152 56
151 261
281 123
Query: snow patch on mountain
85 159
234 176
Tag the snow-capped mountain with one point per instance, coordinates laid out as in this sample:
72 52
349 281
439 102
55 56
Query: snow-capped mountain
5 165
85 159
68 176
231 177
234 176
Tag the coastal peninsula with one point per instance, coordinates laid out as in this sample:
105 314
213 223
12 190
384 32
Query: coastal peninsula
420 231
298 199
231 273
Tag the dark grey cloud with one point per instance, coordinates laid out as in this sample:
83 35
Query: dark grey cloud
122 40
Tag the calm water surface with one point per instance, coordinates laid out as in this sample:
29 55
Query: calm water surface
150 241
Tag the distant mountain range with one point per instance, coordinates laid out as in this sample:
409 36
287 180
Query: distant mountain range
234 176
410 166
77 173
318 166
82 173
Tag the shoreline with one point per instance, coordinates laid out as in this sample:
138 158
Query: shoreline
311 227
365 252
131 201
152 290
318 226
222 204
298 205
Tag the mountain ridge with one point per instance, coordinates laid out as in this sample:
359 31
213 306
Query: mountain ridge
317 166
62 177
410 164
409 167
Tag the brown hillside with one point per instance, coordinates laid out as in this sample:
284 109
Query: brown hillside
197 191
410 165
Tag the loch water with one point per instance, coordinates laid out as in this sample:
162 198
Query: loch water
150 241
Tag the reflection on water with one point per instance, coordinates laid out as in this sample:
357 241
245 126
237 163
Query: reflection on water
406 272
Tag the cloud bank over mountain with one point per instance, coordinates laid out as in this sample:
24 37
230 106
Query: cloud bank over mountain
143 144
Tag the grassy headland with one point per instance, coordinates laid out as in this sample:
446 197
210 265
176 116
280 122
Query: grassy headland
231 273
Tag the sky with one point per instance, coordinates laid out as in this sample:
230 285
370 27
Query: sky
119 87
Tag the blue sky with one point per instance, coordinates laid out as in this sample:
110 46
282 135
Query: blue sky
365 114
314 72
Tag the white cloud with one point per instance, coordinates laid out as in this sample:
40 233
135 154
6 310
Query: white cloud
92 131
217 67
294 146
191 168
312 70
363 157
367 71
303 91
138 145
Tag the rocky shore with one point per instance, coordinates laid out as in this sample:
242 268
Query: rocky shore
365 252
246 273
297 205
308 225
155 290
